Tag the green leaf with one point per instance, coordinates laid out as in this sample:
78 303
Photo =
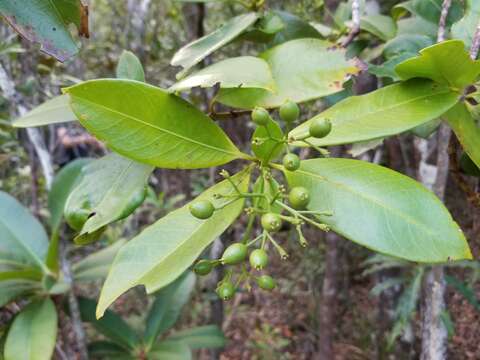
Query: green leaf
11 289
96 265
320 71
388 111
465 290
201 337
46 22
111 325
171 350
381 209
111 188
387 69
33 332
417 27
429 10
268 149
269 187
379 25
108 350
465 28
167 307
53 111
294 28
408 43
62 185
22 235
447 63
467 131
130 67
243 71
165 249
191 54
148 133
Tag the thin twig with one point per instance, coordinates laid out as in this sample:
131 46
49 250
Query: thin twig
355 23
475 43
442 24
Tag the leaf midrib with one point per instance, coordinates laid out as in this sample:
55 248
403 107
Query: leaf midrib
380 204
235 154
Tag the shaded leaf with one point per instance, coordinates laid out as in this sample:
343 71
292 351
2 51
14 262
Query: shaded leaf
320 71
201 337
160 253
465 28
110 110
379 25
108 349
294 28
96 265
238 72
130 67
191 54
387 69
171 350
408 43
111 325
11 289
467 131
46 22
388 111
21 235
33 332
268 148
167 306
447 63
381 209
53 111
110 189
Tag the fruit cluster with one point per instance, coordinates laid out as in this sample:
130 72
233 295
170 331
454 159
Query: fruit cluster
269 203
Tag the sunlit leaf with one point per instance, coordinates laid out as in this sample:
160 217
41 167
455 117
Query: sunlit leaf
53 111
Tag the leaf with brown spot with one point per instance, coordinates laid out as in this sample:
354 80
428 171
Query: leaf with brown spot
46 22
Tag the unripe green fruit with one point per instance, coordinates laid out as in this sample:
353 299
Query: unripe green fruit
260 116
266 282
226 290
299 197
319 128
234 254
202 209
291 162
289 112
203 267
258 259
271 222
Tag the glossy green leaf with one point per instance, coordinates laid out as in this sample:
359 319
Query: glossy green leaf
33 332
320 71
388 111
130 67
110 110
167 306
191 54
111 188
467 131
111 325
21 235
381 209
268 149
447 63
96 265
379 25
243 71
46 22
202 337
171 350
164 250
62 185
53 111
294 28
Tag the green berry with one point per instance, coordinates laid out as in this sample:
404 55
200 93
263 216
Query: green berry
319 128
260 116
234 254
289 111
299 197
291 162
271 222
226 290
203 267
258 259
202 209
266 282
